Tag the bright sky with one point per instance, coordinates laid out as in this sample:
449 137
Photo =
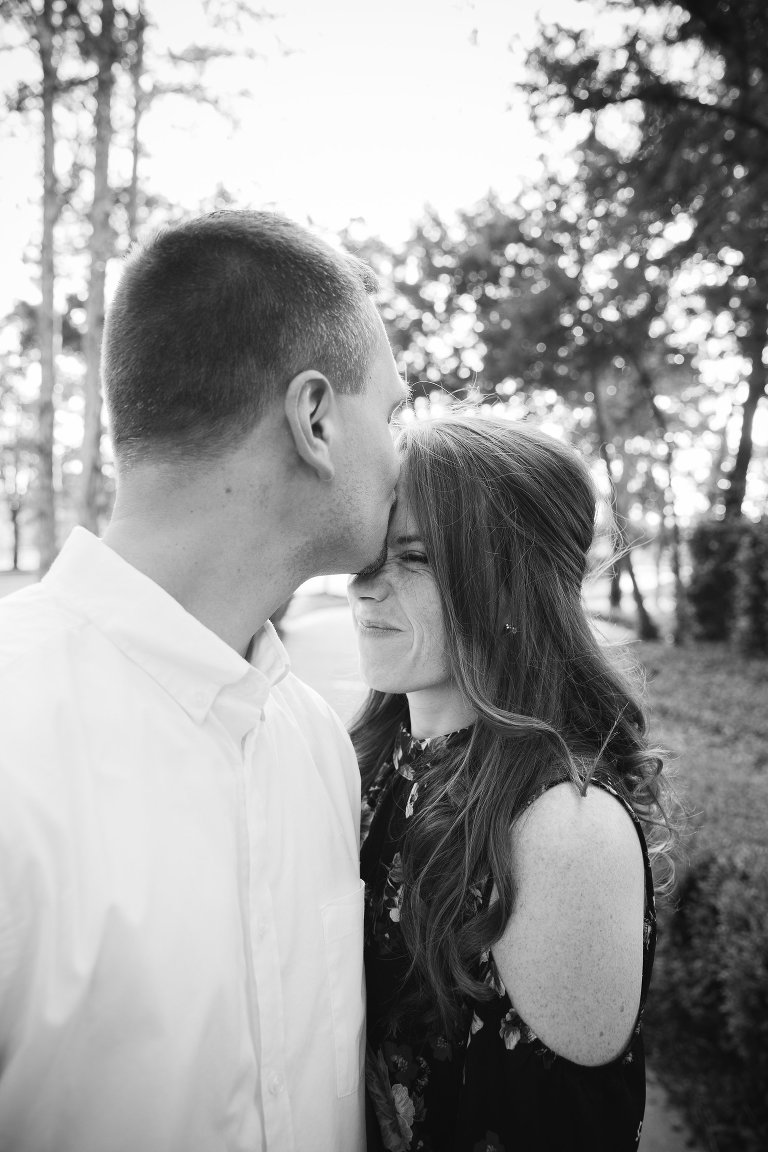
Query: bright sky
375 110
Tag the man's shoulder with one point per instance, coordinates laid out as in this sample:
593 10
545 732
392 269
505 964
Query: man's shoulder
326 743
314 716
304 700
32 622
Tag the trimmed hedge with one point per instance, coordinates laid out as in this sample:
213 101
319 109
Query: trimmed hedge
750 594
713 546
709 1020
706 1024
728 589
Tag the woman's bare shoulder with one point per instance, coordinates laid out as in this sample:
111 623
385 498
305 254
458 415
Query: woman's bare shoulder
572 952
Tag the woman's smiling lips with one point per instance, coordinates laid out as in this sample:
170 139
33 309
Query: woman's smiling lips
374 628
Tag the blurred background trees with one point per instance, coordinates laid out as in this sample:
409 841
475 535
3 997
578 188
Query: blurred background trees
621 296
694 164
626 290
679 93
93 69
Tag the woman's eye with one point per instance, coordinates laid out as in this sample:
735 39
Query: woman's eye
414 557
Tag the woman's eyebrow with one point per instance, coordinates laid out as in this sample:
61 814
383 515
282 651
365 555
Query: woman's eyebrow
408 540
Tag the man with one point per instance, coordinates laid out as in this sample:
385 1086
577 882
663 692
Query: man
180 904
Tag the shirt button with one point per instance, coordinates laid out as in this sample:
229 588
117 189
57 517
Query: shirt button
276 1084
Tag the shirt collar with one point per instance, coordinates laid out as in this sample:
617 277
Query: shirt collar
191 663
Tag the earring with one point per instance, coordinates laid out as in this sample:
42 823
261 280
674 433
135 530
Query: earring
511 629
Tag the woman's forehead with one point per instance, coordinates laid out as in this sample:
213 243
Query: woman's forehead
403 527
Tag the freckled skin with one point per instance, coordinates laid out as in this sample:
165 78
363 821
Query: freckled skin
401 593
400 630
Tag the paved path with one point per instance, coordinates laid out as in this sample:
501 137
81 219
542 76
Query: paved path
320 639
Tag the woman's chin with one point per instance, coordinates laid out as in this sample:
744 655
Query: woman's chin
383 683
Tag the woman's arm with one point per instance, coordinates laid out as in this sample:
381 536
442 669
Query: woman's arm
571 955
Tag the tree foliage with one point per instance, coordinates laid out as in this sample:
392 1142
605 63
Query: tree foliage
691 83
92 72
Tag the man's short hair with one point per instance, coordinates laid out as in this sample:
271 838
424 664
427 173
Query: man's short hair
213 318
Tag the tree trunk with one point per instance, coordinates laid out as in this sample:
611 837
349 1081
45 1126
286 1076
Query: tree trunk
714 492
758 381
646 628
682 615
46 504
139 100
100 250
15 508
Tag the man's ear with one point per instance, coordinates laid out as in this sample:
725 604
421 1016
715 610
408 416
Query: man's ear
310 409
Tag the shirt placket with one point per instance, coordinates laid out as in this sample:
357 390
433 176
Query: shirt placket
265 953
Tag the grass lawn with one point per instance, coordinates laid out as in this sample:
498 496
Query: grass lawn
709 707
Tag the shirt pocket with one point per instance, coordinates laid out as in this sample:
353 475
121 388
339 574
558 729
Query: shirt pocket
343 935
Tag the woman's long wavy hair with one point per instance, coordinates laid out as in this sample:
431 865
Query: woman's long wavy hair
506 514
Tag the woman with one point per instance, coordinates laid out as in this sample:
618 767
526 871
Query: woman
509 793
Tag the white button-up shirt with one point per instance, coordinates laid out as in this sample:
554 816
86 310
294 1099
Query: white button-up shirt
180 902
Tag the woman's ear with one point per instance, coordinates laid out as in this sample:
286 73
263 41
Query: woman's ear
310 409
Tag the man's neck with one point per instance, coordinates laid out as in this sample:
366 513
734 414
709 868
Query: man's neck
230 587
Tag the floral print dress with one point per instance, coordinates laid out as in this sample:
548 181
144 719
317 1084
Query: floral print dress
492 1086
